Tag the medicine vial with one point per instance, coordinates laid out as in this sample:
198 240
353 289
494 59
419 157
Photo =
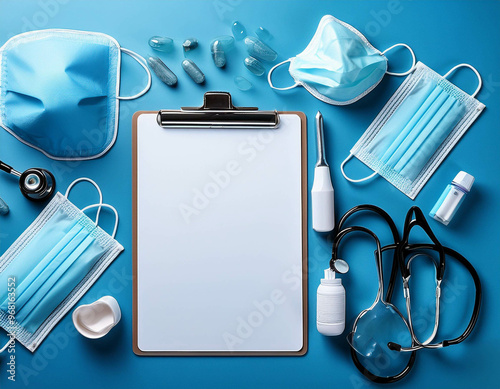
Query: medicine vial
452 197
330 319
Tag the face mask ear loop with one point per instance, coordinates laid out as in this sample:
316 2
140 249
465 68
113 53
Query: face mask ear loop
412 56
106 206
466 65
95 185
141 62
7 345
351 179
271 72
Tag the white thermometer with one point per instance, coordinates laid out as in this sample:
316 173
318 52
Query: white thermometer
323 213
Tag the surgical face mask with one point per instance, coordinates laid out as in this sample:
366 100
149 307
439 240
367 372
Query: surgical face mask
50 267
339 66
59 91
416 129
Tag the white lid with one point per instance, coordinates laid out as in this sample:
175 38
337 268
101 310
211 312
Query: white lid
464 180
330 278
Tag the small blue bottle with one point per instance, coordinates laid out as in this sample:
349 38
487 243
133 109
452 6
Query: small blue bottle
452 197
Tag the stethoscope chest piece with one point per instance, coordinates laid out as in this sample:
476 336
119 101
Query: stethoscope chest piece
37 184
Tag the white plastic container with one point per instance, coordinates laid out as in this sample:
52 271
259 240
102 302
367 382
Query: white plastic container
330 318
96 320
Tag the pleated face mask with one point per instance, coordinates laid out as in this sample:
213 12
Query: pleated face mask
339 66
59 91
50 267
416 129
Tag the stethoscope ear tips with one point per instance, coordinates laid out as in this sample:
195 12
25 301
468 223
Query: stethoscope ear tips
37 184
339 266
394 346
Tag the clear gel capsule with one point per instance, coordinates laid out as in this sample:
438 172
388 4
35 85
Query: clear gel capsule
242 83
259 49
190 44
162 71
218 54
254 66
263 34
226 41
193 71
4 208
239 31
161 43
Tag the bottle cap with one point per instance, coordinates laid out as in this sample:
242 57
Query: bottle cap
330 278
464 180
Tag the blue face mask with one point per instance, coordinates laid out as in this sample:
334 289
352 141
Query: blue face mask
59 91
339 66
50 266
416 129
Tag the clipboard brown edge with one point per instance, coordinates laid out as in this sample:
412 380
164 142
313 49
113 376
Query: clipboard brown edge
135 340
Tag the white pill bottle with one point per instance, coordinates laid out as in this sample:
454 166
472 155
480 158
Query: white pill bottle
330 318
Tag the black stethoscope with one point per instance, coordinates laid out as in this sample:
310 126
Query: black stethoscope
35 184
402 250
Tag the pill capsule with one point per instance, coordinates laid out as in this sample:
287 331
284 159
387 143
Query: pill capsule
259 50
255 66
263 34
239 31
161 43
218 54
242 83
162 71
226 41
4 208
190 44
193 71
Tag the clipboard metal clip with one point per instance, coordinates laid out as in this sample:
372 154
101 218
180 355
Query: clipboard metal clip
218 111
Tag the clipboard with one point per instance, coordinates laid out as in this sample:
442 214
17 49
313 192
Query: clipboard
219 246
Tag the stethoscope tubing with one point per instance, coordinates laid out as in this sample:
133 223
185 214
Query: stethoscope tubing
475 278
46 186
402 249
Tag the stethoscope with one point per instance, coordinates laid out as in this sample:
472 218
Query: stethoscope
402 250
36 184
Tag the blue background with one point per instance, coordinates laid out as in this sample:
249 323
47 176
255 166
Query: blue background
442 34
